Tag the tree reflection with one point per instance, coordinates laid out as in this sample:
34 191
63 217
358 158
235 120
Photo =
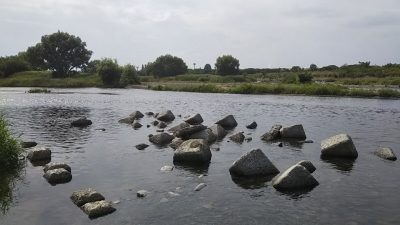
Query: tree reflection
8 179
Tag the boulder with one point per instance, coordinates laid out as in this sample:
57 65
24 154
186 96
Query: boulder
308 165
340 145
238 137
136 125
141 146
161 139
386 153
195 120
179 127
84 196
98 208
206 135
185 133
136 115
52 166
228 122
82 122
253 163
56 176
175 143
219 131
166 116
162 125
28 144
194 150
293 132
128 120
39 154
273 134
253 125
295 178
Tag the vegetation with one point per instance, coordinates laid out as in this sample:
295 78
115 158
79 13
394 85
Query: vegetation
9 148
168 65
110 72
129 75
12 64
39 90
207 68
227 65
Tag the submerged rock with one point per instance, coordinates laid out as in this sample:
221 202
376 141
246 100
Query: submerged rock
200 186
141 146
294 178
218 131
340 145
253 163
57 176
39 154
195 120
82 122
161 139
194 150
98 208
253 125
28 144
84 196
308 165
228 122
166 116
185 133
386 153
293 132
238 137
273 134
52 166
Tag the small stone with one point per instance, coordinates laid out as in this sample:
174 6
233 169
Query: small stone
294 178
200 186
142 193
280 144
179 127
116 202
166 116
142 146
28 144
167 168
253 125
149 113
155 123
162 125
98 208
161 139
148 125
386 153
215 149
84 196
128 120
173 194
160 130
136 125
136 115
248 139
82 122
218 131
238 137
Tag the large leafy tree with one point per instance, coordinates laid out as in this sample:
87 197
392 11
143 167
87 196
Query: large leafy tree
168 65
227 65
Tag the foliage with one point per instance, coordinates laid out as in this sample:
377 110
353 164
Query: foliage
313 67
12 64
34 55
39 90
110 72
91 66
227 65
207 68
9 147
330 68
305 77
295 69
168 65
129 75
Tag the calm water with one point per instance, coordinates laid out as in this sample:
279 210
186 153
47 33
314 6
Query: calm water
364 191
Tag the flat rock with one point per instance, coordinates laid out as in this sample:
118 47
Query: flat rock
141 146
185 133
293 132
84 196
252 125
136 115
161 138
200 186
193 151
52 166
218 131
295 178
57 176
179 127
142 193
386 153
175 143
228 122
195 120
98 208
253 163
82 122
238 137
166 116
340 145
28 144
308 165
39 154
273 134
206 135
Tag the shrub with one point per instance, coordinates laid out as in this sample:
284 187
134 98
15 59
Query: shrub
227 65
305 78
9 147
39 90
129 75
12 64
110 72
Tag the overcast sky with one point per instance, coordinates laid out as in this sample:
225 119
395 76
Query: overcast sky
260 33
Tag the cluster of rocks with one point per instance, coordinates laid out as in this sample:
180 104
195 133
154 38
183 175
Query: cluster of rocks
278 132
92 203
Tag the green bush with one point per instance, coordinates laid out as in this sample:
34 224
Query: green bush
129 75
305 78
110 72
11 65
39 90
9 147
227 65
168 65
386 93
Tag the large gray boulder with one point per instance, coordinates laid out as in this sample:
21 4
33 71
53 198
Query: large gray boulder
295 178
82 122
179 127
166 116
84 196
228 122
386 153
57 176
195 120
136 115
219 131
161 138
185 133
175 143
253 163
98 208
206 135
52 166
273 134
308 165
39 154
340 145
293 132
238 137
193 151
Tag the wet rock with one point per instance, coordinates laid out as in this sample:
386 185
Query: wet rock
39 154
386 153
215 149
306 142
167 168
84 196
253 163
206 135
128 120
149 113
293 132
57 176
248 139
193 151
161 139
142 193
253 125
228 122
280 144
136 125
185 133
28 144
141 146
195 120
160 130
238 137
308 165
218 131
101 129
175 143
148 126
273 134
155 123
340 145
173 194
179 127
200 186
52 166
82 122
162 125
136 115
166 116
98 208
294 178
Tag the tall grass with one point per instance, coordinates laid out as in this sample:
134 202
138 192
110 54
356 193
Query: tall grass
9 147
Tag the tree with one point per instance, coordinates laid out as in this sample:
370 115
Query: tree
227 65
207 68
168 65
34 55
110 72
12 64
129 75
313 67
62 53
91 67
296 69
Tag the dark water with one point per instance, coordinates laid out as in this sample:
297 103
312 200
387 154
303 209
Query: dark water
364 191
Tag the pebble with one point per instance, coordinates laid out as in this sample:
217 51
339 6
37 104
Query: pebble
200 186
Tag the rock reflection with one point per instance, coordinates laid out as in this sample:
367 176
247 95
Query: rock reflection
8 179
195 169
251 182
297 194
341 164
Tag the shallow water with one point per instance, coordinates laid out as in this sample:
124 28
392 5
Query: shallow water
364 191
